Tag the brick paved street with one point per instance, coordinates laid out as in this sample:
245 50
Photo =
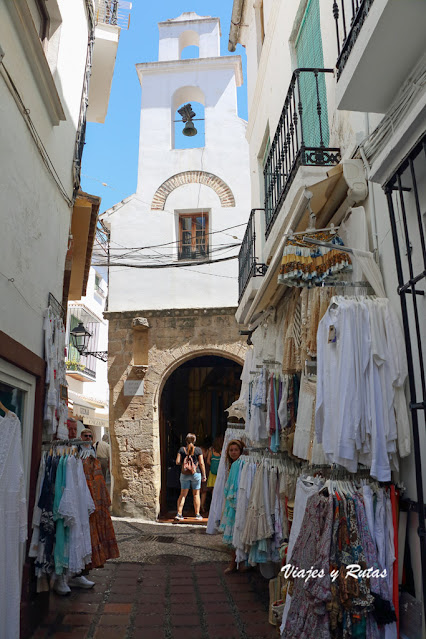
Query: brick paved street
168 596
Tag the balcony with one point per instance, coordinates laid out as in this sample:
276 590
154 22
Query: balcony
301 138
378 44
81 369
114 12
111 17
248 265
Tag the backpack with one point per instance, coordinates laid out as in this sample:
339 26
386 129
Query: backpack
188 466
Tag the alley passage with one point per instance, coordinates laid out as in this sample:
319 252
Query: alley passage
170 592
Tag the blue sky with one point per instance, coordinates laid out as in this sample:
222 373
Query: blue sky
111 151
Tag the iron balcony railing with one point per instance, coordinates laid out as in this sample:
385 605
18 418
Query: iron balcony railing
248 266
301 138
115 12
349 16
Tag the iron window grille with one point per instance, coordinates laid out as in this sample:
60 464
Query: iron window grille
301 138
406 197
349 16
248 266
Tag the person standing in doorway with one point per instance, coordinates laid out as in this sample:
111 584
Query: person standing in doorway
193 472
213 460
103 453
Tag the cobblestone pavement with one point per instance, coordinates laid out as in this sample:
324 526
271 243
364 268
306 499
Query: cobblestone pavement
169 583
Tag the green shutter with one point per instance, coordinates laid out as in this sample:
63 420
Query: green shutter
310 55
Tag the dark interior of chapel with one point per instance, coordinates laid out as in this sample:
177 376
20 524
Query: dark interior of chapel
194 400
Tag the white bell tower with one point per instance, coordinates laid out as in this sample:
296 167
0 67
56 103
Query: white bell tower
211 178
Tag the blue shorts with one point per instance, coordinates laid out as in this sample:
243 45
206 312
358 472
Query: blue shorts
190 481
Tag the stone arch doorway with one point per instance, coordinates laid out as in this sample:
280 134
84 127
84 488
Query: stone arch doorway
193 399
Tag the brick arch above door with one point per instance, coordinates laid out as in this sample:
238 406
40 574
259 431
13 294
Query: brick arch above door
220 187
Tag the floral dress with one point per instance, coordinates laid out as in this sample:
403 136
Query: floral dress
308 617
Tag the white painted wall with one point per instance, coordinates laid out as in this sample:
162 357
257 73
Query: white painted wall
225 154
34 217
189 29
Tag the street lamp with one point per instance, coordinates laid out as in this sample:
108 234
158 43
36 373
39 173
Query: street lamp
80 340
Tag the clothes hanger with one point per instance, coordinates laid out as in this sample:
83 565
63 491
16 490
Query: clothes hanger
4 409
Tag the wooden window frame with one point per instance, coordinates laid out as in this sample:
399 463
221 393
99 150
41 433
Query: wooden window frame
193 216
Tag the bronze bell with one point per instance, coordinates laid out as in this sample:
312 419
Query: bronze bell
189 129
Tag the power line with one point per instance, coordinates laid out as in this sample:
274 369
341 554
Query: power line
173 265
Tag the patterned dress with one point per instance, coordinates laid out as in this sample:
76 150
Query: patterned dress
308 617
104 543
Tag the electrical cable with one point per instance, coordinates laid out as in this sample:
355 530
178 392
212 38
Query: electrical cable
11 280
173 265
36 137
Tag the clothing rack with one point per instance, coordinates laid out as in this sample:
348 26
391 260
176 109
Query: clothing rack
345 283
330 245
63 442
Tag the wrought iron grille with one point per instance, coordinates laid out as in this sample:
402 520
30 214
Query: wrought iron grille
248 266
406 196
349 16
301 138
56 307
115 12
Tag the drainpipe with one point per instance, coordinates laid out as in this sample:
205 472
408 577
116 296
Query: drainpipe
236 18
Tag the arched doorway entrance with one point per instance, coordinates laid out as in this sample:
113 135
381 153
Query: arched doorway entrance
194 399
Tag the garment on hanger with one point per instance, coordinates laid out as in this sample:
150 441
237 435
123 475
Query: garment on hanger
359 413
103 541
56 408
13 523
334 536
76 506
303 264
72 526
305 445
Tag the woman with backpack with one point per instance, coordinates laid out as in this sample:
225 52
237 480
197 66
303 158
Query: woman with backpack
193 472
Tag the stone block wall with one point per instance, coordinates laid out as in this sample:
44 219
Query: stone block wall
173 337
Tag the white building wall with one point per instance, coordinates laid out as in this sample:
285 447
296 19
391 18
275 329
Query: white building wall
34 216
166 85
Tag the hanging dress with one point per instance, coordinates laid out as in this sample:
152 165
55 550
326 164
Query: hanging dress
104 543
13 523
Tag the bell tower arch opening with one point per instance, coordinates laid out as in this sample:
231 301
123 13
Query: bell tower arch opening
194 399
189 44
195 96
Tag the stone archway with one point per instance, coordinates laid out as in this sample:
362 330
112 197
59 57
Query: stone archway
173 337
220 187
193 398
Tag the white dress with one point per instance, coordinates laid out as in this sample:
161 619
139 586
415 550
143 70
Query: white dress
13 523
76 506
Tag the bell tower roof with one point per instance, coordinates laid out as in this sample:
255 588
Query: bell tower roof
189 29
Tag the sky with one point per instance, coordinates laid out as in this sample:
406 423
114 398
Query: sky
111 151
